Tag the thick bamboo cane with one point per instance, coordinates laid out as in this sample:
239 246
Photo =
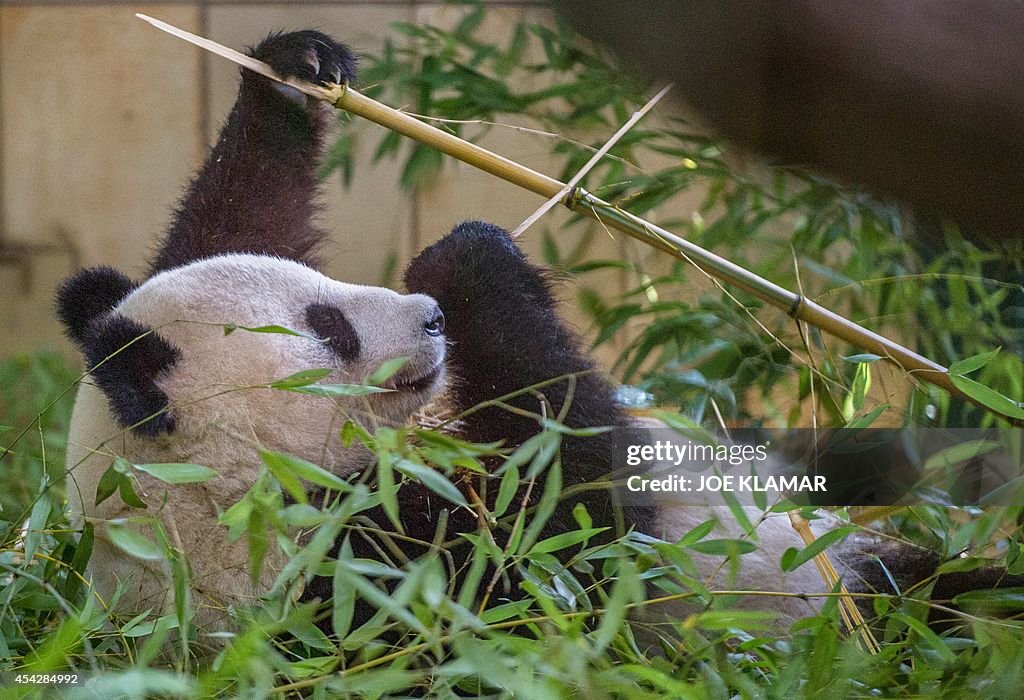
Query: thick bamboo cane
579 200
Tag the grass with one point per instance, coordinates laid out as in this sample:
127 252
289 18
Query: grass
626 619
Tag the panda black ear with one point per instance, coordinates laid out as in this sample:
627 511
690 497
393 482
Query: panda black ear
125 358
87 295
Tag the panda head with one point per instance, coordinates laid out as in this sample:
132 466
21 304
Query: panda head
167 383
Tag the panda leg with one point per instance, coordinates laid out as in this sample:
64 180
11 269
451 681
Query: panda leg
256 192
882 566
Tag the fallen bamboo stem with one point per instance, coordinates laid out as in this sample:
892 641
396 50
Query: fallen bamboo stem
580 201
848 609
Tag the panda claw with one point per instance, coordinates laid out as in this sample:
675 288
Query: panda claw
291 93
312 60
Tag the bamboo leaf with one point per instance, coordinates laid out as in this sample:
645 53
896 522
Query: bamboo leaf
545 507
37 519
925 632
309 634
83 551
507 490
867 419
975 362
230 328
627 589
1001 602
343 602
697 534
793 558
126 490
279 464
387 490
387 370
565 540
133 542
307 471
303 378
723 547
333 391
352 431
177 473
259 542
958 454
108 484
862 358
432 479
988 397
582 516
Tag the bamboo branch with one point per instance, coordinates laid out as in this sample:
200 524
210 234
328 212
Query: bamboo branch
594 160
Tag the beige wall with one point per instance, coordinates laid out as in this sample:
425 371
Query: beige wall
102 119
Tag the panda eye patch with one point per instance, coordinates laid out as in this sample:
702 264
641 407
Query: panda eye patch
329 322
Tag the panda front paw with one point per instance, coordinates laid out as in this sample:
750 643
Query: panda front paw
472 254
476 269
308 55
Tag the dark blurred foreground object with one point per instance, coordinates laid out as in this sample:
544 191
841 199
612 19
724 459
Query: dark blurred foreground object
921 100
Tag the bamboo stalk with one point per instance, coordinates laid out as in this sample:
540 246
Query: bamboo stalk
583 202
407 125
579 200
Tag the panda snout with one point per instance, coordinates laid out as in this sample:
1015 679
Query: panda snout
434 326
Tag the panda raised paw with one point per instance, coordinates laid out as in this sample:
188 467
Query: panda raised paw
308 55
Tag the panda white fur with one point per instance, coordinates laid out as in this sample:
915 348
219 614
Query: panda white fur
168 385
213 418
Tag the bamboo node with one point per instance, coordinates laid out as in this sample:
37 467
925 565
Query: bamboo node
572 197
794 310
336 93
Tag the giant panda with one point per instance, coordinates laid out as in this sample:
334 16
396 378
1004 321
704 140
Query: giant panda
478 321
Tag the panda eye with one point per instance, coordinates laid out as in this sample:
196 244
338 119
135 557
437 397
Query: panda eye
435 324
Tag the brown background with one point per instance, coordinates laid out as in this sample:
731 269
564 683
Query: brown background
103 118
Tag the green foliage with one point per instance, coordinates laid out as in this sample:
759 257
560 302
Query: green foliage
36 394
630 617
469 81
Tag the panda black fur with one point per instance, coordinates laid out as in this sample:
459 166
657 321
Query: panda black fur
167 385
